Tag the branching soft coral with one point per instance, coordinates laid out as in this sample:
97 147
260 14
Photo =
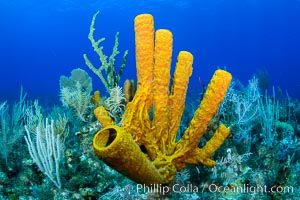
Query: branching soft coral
112 78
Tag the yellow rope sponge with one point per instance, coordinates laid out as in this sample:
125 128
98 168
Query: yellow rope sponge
145 149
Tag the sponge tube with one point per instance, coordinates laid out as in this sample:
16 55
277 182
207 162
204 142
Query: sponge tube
117 149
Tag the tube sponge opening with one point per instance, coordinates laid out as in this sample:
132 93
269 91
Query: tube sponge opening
106 137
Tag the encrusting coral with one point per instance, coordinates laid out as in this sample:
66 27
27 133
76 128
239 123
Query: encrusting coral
145 149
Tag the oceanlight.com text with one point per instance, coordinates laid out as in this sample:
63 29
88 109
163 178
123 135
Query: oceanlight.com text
211 188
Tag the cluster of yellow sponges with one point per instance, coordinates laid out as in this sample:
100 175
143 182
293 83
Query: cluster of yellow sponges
146 150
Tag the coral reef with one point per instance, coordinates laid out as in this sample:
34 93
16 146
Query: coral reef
260 159
146 150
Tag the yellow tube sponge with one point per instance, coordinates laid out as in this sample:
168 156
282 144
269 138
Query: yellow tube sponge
117 149
129 90
144 147
161 82
177 96
103 116
96 98
144 40
214 95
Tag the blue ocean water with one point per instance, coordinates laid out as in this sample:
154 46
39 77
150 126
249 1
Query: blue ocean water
42 40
